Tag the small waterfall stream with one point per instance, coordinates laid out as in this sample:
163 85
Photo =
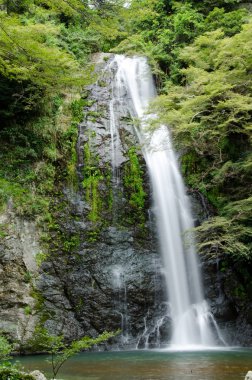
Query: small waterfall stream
120 287
191 319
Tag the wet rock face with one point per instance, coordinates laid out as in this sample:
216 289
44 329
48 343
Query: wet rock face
18 248
227 286
227 289
111 278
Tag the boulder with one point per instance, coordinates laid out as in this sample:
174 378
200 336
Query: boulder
38 375
248 376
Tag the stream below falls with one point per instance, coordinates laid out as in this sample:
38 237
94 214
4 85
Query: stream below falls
229 364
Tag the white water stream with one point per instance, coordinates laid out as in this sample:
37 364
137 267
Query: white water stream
190 315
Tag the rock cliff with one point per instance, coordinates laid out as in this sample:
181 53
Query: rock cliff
102 270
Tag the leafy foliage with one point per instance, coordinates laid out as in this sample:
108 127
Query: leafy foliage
44 61
230 22
200 53
27 55
12 373
5 349
211 121
159 29
207 5
7 370
59 351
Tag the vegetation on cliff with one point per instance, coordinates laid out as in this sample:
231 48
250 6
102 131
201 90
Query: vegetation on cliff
45 48
201 57
200 53
210 115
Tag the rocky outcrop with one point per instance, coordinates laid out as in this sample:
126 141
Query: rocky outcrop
228 290
104 274
227 286
248 375
18 270
37 375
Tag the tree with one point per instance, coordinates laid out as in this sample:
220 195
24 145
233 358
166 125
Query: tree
68 11
229 22
60 351
5 349
207 5
17 6
211 121
27 55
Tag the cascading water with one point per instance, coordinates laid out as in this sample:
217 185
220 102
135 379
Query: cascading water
191 318
120 287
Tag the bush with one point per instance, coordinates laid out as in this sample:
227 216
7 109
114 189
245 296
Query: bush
14 374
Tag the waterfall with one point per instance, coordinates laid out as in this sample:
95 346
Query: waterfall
191 319
119 285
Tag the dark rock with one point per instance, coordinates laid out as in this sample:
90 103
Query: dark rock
111 280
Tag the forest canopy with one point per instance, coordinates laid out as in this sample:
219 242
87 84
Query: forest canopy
200 54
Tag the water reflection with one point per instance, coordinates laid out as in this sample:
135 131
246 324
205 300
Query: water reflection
151 365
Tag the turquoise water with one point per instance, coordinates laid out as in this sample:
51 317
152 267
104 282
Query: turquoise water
150 365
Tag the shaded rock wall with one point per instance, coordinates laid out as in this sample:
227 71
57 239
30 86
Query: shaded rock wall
228 288
110 278
18 270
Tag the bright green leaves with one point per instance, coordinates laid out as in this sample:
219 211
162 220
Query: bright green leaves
68 10
26 55
107 33
17 6
159 29
229 22
60 351
25 202
7 370
207 5
229 234
216 100
187 23
222 236
211 121
5 349
39 73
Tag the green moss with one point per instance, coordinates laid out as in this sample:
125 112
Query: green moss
3 231
133 182
94 114
239 292
92 236
70 139
92 179
102 83
77 109
27 310
108 178
27 277
40 258
25 202
188 162
71 243
30 153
